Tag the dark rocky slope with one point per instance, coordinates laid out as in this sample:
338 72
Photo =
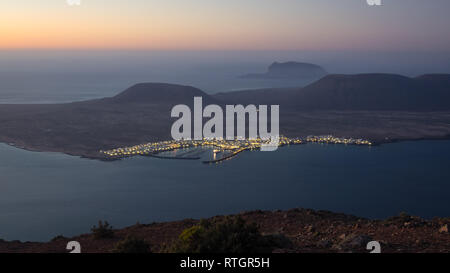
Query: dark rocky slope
307 230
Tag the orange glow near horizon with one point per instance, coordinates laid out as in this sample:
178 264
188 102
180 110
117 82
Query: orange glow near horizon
110 32
210 25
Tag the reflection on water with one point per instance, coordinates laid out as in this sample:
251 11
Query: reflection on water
46 194
205 153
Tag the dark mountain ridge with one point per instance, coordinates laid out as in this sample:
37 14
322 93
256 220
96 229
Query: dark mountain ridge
357 92
380 107
376 92
160 93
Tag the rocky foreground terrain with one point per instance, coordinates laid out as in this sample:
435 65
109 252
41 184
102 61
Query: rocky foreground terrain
306 230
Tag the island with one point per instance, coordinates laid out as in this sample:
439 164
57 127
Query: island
290 70
378 108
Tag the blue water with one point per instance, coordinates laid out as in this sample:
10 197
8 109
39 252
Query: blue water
46 194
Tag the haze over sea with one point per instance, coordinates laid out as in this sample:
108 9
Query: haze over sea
44 76
46 194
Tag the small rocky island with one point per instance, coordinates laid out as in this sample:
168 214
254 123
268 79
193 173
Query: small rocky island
290 70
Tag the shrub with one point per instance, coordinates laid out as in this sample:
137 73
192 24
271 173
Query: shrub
59 237
231 235
104 230
132 245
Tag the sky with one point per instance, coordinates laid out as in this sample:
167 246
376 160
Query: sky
397 25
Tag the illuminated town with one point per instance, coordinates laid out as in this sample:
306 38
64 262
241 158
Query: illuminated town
226 148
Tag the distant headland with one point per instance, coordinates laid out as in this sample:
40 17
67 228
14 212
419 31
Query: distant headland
290 70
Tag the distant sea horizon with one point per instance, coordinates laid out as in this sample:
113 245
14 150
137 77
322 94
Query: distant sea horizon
61 76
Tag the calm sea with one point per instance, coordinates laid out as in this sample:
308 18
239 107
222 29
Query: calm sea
46 194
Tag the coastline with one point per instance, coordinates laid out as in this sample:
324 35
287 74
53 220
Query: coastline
96 155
